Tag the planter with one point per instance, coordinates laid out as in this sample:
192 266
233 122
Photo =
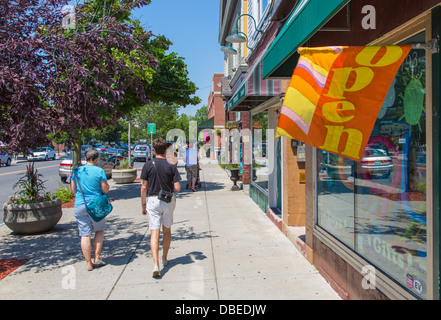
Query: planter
234 177
32 218
123 176
254 178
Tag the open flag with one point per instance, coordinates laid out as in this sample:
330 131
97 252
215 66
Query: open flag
336 94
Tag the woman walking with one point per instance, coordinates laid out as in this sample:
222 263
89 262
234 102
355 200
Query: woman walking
93 183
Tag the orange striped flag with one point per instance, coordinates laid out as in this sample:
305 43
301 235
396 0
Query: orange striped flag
336 94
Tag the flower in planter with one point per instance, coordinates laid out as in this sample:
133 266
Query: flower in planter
232 166
124 164
31 187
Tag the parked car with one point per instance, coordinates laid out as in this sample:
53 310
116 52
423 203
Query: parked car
65 168
44 153
5 158
142 152
377 163
116 155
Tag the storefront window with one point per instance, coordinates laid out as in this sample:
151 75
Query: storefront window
336 196
260 150
378 207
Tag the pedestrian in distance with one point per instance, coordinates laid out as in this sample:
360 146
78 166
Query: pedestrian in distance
93 182
158 174
192 166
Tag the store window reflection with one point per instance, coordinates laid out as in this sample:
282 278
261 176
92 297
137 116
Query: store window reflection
378 207
336 196
260 150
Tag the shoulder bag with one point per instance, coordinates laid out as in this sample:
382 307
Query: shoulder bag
99 207
163 195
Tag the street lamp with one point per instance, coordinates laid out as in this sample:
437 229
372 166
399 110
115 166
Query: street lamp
235 37
229 49
238 36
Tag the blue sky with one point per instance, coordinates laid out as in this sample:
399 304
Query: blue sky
193 27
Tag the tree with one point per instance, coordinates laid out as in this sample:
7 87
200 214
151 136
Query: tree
98 63
25 72
201 114
55 80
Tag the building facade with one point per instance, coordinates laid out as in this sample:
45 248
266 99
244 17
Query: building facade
371 227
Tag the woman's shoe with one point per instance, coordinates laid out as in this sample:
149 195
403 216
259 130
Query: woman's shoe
156 273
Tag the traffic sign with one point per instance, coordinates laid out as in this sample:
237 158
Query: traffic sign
151 128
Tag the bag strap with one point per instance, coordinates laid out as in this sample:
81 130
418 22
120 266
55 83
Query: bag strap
79 186
159 178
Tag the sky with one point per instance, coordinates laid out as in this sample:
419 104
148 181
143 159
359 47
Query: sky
193 27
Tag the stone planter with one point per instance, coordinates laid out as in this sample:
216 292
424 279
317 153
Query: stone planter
32 218
122 176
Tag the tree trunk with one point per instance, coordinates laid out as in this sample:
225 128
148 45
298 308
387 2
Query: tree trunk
76 152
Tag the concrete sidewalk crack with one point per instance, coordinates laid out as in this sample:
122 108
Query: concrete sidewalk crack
128 262
211 237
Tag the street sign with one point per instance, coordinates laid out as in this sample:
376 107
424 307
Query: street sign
151 128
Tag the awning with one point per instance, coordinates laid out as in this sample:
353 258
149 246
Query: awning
254 90
308 17
209 124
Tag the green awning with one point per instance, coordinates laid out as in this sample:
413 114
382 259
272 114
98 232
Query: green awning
308 17
254 90
209 124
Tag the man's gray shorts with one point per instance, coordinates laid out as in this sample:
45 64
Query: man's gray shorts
160 212
192 172
86 226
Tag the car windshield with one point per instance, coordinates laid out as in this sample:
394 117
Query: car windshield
376 153
40 150
141 149
69 156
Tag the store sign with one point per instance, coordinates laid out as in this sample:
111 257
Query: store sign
237 97
336 94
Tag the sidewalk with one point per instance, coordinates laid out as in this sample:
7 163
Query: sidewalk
223 247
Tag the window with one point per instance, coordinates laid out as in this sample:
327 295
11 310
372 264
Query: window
261 7
260 150
378 207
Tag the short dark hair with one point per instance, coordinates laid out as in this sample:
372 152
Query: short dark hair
92 154
160 146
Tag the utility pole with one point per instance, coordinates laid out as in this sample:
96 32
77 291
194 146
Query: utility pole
130 148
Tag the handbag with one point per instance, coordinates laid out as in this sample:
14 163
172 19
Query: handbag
98 208
163 195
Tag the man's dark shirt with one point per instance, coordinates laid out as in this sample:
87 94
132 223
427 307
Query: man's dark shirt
168 173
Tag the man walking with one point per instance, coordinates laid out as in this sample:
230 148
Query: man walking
192 166
158 174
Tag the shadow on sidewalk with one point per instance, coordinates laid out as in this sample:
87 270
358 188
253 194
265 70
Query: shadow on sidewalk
189 258
125 191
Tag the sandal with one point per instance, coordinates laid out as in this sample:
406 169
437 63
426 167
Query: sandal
99 264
